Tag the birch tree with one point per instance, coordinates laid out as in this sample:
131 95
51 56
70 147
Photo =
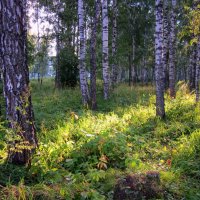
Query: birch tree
159 71
93 60
82 68
106 73
13 52
172 44
114 40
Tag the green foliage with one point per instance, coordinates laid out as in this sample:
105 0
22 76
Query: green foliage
82 154
69 67
31 51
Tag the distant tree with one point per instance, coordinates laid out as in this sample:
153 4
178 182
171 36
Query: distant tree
106 72
197 78
68 67
192 67
114 43
13 52
159 71
31 52
42 58
57 5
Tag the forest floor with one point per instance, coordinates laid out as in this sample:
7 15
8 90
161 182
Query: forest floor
83 154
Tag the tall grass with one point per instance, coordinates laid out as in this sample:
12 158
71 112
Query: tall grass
82 153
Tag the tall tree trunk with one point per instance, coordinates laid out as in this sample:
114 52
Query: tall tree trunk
166 42
172 52
13 52
130 71
133 70
93 59
144 68
197 78
159 71
82 70
192 68
114 40
58 71
106 73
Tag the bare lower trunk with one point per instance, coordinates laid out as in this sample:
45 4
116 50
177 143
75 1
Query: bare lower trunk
106 73
172 47
82 70
13 54
58 71
133 70
192 68
93 59
197 78
130 71
159 71
114 39
166 42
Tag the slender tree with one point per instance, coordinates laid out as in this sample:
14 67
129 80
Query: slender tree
58 46
93 60
172 47
13 52
192 67
82 68
197 78
133 70
159 71
114 41
106 73
166 41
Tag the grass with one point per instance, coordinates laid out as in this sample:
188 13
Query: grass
83 153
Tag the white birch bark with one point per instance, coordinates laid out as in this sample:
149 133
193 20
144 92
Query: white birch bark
106 73
13 55
82 68
159 71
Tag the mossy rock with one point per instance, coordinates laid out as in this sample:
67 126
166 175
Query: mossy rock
138 187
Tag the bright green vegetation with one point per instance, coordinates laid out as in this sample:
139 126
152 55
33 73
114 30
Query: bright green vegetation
82 153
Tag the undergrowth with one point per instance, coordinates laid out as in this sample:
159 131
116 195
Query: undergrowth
82 153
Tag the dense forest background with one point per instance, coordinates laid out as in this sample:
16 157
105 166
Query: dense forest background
100 99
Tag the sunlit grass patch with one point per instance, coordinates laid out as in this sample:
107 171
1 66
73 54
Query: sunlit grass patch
82 153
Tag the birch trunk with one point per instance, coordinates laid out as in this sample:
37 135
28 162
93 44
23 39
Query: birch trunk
106 73
166 42
114 40
93 59
13 52
159 71
82 69
172 52
197 78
